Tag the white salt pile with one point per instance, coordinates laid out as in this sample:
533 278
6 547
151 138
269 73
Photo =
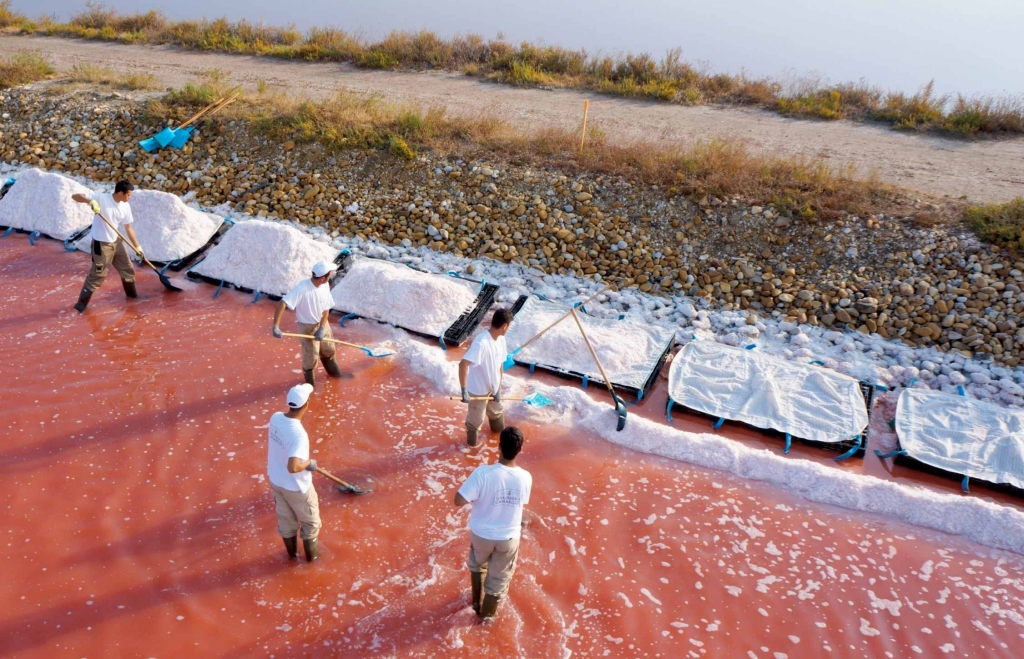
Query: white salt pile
166 227
264 256
628 350
40 201
396 294
984 522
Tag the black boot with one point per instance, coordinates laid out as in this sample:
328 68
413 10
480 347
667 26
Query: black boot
309 377
129 288
489 607
309 546
472 435
331 366
83 301
497 423
292 545
478 589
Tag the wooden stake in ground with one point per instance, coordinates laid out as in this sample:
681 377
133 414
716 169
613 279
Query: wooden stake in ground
583 130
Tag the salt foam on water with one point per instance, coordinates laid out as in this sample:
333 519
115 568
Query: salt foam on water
41 201
264 256
984 522
165 226
399 295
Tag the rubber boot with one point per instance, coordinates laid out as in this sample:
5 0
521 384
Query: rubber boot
489 607
497 423
472 435
292 545
309 377
309 546
83 301
331 366
129 288
478 589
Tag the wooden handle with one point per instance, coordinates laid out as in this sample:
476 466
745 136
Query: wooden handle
201 113
503 398
327 339
592 352
541 333
332 477
216 106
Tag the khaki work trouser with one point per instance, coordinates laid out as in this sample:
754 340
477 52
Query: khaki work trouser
496 559
475 415
297 510
312 349
103 255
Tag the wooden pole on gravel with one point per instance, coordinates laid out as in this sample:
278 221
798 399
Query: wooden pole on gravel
583 130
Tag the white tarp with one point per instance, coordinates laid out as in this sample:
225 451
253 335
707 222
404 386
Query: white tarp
809 402
395 293
629 350
167 229
962 435
41 201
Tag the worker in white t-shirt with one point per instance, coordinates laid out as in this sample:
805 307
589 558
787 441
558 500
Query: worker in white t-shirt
480 374
107 246
311 301
291 475
498 493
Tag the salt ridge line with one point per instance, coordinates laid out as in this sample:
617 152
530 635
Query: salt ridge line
866 357
990 524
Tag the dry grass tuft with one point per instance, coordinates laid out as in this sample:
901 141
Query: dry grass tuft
1000 224
100 75
23 68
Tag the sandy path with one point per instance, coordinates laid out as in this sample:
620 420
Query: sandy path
986 170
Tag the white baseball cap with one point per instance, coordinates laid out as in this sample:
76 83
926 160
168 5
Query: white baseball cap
299 395
322 268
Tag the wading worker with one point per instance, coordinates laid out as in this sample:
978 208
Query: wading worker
311 301
107 246
480 377
498 493
291 475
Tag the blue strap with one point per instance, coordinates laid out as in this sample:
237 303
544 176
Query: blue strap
750 347
622 316
718 424
890 454
668 410
851 452
640 396
229 221
789 443
963 485
960 390
32 237
66 248
8 232
219 288
256 297
346 317
911 383
586 381
440 339
531 368
483 284
881 387
816 362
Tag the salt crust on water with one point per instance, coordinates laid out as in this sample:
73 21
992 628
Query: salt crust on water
628 350
399 295
41 201
166 227
983 522
265 256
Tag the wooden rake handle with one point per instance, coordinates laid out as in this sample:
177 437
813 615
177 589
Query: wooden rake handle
503 398
216 106
328 340
593 353
541 333
126 241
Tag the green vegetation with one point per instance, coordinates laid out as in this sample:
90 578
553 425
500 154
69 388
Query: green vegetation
1000 224
23 68
100 75
636 76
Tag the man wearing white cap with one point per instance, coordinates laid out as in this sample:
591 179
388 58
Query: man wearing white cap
311 300
291 475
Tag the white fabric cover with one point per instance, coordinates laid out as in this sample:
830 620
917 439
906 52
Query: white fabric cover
962 435
629 350
809 402
395 293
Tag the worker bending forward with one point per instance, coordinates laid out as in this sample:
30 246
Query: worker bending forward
498 493
480 377
108 247
291 475
311 300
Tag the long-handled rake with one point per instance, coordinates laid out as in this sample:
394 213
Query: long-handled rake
510 358
620 405
159 273
535 399
344 343
348 488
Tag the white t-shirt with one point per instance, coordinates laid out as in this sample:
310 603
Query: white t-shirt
119 214
287 439
308 301
498 494
487 355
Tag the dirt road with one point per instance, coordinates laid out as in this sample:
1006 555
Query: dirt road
982 170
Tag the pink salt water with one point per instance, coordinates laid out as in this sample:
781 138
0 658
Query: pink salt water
139 521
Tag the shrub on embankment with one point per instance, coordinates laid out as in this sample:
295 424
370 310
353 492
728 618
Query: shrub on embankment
1000 224
631 75
23 68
